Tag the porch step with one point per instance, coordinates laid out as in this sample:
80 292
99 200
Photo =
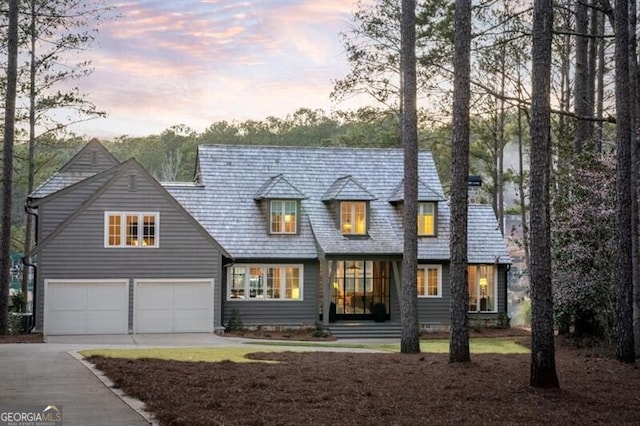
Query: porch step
366 330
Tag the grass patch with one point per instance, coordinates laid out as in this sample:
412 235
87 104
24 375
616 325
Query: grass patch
233 354
312 344
480 345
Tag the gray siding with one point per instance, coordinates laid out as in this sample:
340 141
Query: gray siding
52 213
266 312
84 161
434 311
78 251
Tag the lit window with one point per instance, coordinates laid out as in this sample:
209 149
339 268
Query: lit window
115 231
426 219
265 282
284 217
353 217
131 229
429 281
236 283
482 288
292 283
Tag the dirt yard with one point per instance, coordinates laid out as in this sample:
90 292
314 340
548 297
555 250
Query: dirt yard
320 388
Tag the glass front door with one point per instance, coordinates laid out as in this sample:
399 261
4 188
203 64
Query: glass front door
358 286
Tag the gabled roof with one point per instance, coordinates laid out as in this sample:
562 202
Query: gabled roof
230 175
347 188
92 177
485 242
116 173
277 187
425 193
85 157
88 161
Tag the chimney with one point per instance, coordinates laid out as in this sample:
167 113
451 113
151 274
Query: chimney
474 184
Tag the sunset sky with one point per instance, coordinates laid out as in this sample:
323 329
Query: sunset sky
194 62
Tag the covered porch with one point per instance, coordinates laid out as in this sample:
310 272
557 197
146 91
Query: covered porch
352 289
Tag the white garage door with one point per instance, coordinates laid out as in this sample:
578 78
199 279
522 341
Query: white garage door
86 307
173 306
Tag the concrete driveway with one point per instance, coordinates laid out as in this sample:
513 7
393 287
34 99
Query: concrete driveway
46 374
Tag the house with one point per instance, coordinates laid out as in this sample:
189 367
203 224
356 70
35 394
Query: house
287 236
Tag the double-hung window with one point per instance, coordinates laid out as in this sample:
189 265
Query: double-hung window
426 219
284 216
131 229
429 281
353 217
265 282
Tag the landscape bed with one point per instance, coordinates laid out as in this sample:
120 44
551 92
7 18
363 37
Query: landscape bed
370 388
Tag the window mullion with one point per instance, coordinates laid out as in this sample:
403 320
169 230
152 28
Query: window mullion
283 282
123 229
247 280
265 282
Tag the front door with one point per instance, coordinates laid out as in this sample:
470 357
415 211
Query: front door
358 286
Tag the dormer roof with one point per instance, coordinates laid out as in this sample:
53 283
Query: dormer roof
425 193
347 188
277 187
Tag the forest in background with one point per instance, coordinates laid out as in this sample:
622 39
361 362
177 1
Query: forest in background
583 132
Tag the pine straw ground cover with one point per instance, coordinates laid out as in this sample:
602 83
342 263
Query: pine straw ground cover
318 388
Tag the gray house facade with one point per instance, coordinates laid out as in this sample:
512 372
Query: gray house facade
116 253
287 236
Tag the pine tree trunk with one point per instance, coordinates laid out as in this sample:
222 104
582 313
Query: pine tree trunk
600 82
459 335
410 341
594 18
582 130
28 232
625 350
543 364
7 163
635 139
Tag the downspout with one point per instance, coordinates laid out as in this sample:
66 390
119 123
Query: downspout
30 211
223 294
506 288
34 309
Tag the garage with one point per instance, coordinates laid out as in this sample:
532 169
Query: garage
86 307
173 306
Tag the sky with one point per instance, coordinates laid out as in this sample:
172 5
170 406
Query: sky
195 62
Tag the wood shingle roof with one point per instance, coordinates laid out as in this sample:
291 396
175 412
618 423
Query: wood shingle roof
235 178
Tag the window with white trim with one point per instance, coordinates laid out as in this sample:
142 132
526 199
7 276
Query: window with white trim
483 288
426 219
429 281
353 217
284 216
131 229
265 282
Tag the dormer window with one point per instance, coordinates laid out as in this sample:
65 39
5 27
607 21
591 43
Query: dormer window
426 219
284 216
353 217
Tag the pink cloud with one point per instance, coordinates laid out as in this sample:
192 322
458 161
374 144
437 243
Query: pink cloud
194 62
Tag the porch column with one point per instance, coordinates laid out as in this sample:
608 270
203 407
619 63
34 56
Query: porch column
326 294
328 279
397 276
